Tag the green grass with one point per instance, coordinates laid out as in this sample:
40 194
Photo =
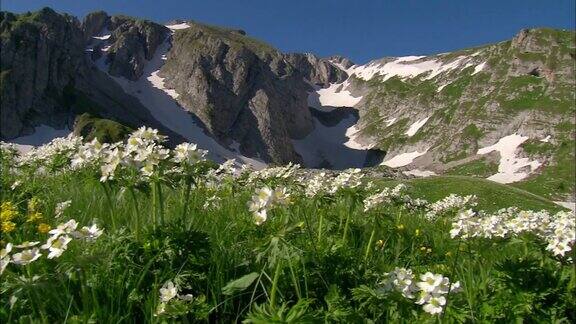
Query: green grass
477 168
491 195
315 260
557 180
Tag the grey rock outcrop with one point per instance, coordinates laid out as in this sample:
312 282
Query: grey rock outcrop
241 89
133 42
93 23
41 53
46 79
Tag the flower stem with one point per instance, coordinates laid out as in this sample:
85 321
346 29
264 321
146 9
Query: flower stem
275 284
187 196
110 205
369 245
136 210
160 203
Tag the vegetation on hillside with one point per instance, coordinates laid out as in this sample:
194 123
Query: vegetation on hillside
133 231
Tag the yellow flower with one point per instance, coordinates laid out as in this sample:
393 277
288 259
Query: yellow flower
417 232
7 211
43 228
380 243
428 250
400 227
34 217
8 226
422 248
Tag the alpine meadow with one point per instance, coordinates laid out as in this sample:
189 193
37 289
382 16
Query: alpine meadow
189 173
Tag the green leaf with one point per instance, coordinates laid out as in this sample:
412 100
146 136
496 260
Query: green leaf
240 284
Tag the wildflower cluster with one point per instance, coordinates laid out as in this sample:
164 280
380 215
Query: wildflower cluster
451 203
56 244
557 230
265 199
385 196
281 172
324 184
169 294
430 291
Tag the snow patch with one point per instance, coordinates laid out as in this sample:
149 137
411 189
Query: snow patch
103 37
42 134
335 95
404 68
546 139
510 165
441 87
416 126
178 26
403 159
391 121
420 173
479 67
351 133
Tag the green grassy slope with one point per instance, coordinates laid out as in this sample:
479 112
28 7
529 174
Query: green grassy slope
491 195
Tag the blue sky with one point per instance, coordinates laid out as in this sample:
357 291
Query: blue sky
360 30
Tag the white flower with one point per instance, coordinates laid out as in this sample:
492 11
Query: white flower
168 291
26 245
27 256
6 250
260 216
15 185
88 233
56 244
66 228
435 304
188 153
430 282
281 196
3 264
61 207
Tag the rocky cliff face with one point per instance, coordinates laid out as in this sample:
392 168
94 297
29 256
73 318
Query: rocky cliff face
46 78
41 53
244 90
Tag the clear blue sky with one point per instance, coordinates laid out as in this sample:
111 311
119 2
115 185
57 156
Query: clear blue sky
360 30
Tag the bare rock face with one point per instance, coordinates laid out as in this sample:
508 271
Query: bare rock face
241 89
316 70
93 23
46 78
41 53
134 42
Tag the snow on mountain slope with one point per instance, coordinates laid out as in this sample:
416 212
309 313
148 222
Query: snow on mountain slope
178 26
330 145
42 135
511 168
335 95
413 129
161 103
403 159
407 67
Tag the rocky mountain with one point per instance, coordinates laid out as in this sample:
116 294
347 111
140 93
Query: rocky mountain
503 111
